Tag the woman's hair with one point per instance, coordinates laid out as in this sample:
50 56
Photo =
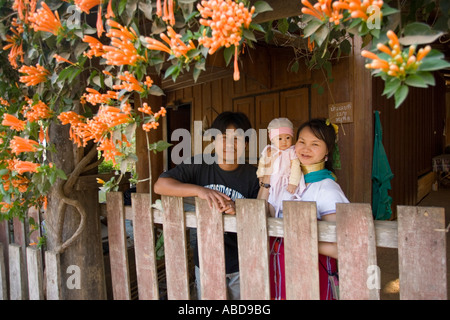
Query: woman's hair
324 132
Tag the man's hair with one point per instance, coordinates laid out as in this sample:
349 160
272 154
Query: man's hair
237 119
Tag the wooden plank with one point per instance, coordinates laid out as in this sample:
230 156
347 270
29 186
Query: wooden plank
3 282
210 240
358 273
281 9
301 250
175 250
53 274
118 254
422 253
385 231
253 247
35 274
17 282
144 245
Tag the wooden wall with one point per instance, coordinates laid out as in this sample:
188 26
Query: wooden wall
267 90
412 135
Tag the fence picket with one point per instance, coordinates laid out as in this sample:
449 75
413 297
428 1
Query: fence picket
175 250
356 252
301 250
211 252
422 253
16 273
253 247
53 274
144 245
35 274
117 240
3 284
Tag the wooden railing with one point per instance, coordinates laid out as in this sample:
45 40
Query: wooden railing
419 234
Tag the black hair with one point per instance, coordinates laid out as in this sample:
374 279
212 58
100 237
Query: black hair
237 119
324 132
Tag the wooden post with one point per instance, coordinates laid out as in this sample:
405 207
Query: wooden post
17 281
253 246
144 245
117 240
301 250
35 274
175 248
210 251
358 273
3 285
422 253
53 274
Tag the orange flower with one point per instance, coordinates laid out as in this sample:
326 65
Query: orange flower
15 44
44 20
35 75
95 97
37 111
95 45
226 19
177 46
61 59
122 50
19 145
25 166
400 63
129 83
4 102
11 121
109 150
154 44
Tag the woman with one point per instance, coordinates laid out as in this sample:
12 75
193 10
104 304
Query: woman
316 141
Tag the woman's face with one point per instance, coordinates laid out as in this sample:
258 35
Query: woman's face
310 149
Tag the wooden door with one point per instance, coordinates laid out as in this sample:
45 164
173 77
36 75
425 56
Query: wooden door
295 105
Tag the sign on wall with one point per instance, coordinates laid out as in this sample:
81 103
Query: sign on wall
341 112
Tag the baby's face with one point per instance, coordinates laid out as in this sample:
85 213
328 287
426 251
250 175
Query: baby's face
283 141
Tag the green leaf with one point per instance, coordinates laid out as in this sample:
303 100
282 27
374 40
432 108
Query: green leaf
428 77
321 35
283 25
391 86
262 6
248 34
312 27
433 65
228 54
159 146
416 81
401 95
419 33
156 91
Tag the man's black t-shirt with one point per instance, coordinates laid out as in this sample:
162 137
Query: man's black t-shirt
240 183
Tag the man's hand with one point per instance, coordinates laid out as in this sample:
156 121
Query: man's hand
215 199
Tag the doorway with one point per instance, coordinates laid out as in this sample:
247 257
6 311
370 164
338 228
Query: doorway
177 117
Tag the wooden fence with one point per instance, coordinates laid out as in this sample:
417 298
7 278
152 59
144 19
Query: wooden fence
419 234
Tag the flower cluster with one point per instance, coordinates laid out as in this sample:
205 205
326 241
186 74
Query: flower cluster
227 19
333 11
15 43
400 63
34 75
44 20
122 50
154 117
166 11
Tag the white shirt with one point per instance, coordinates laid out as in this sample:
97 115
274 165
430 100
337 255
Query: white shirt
326 194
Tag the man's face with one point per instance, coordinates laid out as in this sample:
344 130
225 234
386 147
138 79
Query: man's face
230 146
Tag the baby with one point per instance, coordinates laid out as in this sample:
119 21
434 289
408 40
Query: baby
279 161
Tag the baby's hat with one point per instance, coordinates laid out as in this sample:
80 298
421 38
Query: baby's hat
280 126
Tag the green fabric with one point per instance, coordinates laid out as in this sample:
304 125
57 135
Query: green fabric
319 176
381 176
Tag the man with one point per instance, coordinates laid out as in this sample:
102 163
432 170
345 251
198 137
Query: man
219 183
